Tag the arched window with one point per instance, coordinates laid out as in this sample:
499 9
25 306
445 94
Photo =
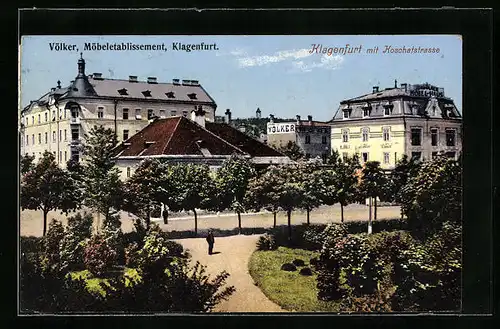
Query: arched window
364 134
345 135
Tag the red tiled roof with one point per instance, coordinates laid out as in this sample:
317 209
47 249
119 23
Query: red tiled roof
175 136
241 140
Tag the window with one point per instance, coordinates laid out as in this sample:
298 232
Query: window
33 139
122 91
192 96
147 93
185 113
125 135
387 110
365 156
138 114
345 135
172 113
170 94
60 135
346 113
46 119
323 139
386 134
53 115
65 135
416 136
128 172
416 155
162 113
450 137
46 138
308 139
345 156
74 133
100 112
150 114
65 156
27 140
366 112
32 120
434 136
54 136
125 114
386 158
60 156
364 134
39 138
75 155
39 120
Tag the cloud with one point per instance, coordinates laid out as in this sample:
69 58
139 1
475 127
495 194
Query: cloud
326 62
277 57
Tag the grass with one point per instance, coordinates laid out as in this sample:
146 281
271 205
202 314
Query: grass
94 283
290 290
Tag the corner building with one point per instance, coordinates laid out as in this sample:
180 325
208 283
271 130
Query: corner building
59 120
414 120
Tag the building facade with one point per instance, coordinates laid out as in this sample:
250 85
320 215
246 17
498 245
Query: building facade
313 137
414 120
59 120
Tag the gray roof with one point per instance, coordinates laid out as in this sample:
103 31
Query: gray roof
158 91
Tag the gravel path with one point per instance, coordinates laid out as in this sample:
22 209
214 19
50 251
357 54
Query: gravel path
232 255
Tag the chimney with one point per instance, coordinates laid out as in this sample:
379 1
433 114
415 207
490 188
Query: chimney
97 75
186 82
310 118
195 82
298 119
228 116
176 82
152 80
198 115
404 86
271 118
58 84
132 78
375 89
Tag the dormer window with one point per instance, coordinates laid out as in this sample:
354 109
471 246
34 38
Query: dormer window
123 92
388 109
192 96
147 93
347 113
170 94
366 112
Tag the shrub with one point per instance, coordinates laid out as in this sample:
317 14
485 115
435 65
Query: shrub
305 271
314 261
428 274
132 255
288 267
154 256
30 244
174 248
266 242
390 245
99 257
298 262
113 235
51 241
313 236
380 302
73 243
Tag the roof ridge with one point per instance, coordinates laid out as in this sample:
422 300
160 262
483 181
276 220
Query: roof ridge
171 135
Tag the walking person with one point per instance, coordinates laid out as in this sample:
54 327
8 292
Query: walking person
211 240
165 215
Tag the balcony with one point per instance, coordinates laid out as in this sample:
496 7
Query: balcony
75 121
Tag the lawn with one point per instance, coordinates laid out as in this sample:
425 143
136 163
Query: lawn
93 283
290 290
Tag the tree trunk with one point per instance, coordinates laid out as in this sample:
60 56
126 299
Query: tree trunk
341 212
375 209
98 223
308 211
45 213
370 216
195 222
274 215
289 215
239 222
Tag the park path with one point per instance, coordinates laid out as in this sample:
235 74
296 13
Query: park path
232 254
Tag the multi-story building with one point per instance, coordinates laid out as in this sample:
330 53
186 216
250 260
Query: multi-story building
416 120
313 137
59 120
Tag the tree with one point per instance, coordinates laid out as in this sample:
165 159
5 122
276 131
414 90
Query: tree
102 185
232 179
345 181
262 192
47 187
191 187
402 172
26 163
142 190
373 184
292 150
290 191
310 177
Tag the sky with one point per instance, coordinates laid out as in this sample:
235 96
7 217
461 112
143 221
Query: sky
278 74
